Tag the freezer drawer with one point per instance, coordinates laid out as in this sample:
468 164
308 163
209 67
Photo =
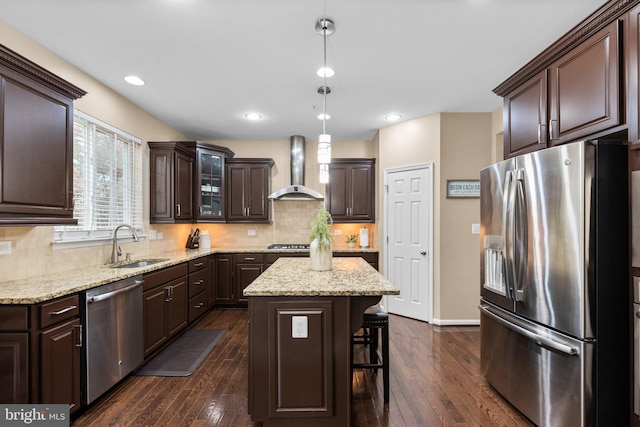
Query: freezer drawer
539 371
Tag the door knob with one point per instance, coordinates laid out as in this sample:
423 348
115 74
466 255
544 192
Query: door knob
423 252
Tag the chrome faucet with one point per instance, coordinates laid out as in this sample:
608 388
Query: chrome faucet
116 251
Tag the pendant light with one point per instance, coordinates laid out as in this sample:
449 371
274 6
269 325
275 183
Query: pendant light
324 27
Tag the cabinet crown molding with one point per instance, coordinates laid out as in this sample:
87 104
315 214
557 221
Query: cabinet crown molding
606 14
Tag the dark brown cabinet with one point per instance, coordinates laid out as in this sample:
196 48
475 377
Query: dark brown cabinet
577 95
584 88
248 184
60 366
209 191
40 347
171 181
14 367
525 116
223 279
36 111
633 74
247 269
199 284
165 305
350 194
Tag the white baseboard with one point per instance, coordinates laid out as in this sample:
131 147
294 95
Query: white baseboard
456 322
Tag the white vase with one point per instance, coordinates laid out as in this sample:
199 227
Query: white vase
321 258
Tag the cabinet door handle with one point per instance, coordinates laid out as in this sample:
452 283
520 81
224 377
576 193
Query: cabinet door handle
198 306
551 129
249 259
168 289
79 327
64 310
198 264
178 206
199 282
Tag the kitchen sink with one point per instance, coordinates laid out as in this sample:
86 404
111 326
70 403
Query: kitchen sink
138 263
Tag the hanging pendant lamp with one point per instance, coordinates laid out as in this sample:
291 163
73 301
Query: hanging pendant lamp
324 27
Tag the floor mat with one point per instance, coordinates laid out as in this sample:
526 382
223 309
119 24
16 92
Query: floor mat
184 355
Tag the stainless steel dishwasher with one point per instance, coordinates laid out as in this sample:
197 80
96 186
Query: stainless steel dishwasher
113 346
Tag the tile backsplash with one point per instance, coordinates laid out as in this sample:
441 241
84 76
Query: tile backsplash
32 252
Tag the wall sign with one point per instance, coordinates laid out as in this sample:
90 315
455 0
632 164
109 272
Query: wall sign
463 188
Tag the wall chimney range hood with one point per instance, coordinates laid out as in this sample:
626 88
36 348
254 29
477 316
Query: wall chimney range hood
297 189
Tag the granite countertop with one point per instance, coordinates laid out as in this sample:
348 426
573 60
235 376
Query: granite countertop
293 277
47 287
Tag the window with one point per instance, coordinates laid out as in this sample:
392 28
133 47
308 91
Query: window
107 180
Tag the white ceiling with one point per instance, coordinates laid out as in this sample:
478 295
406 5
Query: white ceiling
208 62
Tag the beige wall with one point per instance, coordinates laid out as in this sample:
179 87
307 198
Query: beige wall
459 145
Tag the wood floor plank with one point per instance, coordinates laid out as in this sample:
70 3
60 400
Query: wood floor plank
435 380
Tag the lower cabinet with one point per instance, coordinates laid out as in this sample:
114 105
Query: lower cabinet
247 268
223 279
14 367
60 365
40 351
165 310
199 284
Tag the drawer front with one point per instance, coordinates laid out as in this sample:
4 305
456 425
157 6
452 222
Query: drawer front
14 318
198 282
59 310
198 305
197 264
244 258
163 276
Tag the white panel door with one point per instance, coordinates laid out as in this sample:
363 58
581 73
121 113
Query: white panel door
409 242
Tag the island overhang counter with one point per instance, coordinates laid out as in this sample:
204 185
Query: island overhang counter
300 327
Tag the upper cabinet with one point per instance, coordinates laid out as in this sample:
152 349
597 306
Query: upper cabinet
572 90
584 88
248 187
171 182
209 182
350 193
36 143
525 116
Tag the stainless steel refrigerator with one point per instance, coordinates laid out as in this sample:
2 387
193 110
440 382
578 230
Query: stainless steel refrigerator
555 307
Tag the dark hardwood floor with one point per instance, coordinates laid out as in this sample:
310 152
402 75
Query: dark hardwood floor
435 381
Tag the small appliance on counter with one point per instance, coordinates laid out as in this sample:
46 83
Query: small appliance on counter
364 237
193 241
205 240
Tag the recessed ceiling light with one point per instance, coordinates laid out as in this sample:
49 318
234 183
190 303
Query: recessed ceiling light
134 80
392 117
324 116
325 72
253 116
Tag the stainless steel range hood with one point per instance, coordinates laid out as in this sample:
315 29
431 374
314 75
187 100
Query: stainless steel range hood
297 189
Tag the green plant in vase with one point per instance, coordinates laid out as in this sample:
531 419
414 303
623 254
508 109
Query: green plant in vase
351 239
320 240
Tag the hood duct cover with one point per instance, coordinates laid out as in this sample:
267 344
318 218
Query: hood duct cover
297 189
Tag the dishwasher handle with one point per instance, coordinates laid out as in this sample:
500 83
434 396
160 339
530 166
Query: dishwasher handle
111 294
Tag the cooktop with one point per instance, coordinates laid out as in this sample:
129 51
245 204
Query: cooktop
289 246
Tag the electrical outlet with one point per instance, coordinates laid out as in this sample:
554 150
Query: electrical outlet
299 327
5 247
160 235
251 232
153 234
475 228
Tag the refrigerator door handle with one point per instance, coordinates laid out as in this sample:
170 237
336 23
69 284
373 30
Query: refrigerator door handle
507 232
538 339
520 236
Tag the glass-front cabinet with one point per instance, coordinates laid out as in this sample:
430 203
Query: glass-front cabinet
209 183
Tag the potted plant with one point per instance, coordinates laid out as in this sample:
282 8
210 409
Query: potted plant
320 241
351 240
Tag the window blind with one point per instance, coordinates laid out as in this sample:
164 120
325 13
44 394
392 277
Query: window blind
107 180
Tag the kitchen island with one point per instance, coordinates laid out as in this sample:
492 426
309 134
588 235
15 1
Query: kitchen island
300 329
